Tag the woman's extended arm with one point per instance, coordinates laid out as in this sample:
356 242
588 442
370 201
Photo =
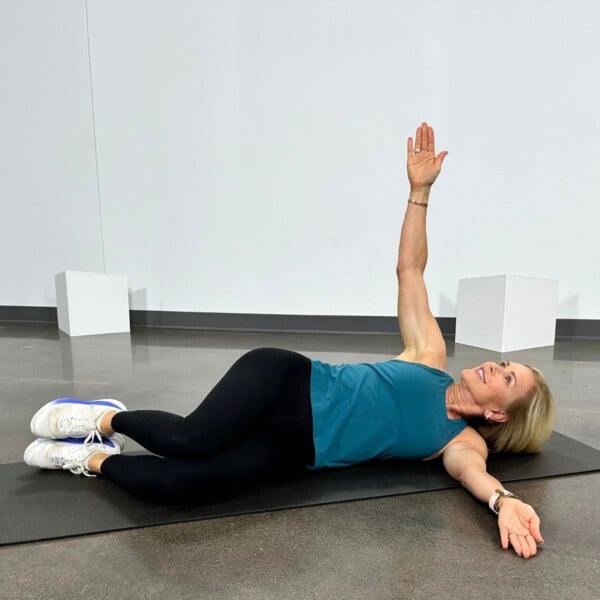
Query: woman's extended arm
422 338
518 522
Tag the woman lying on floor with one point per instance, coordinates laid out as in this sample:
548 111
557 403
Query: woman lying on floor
276 411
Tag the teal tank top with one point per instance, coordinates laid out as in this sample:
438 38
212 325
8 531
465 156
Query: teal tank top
391 409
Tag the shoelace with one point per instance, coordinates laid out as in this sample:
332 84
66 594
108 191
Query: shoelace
71 425
78 468
78 425
75 464
93 437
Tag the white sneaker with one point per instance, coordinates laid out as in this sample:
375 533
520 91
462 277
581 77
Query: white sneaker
72 418
68 454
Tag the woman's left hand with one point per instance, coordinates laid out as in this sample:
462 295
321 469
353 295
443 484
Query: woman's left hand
519 526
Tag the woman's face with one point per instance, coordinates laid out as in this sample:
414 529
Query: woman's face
495 385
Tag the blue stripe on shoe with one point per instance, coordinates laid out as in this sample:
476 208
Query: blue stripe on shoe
106 441
95 402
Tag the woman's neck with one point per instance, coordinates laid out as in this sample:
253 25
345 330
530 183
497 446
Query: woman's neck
459 403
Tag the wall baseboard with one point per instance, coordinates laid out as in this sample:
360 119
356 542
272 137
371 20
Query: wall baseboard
565 328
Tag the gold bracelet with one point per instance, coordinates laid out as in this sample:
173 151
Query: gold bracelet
419 203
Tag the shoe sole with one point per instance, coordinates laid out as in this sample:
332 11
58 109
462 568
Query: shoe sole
31 450
110 403
112 441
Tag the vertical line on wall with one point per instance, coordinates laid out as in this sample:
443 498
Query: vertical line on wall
87 28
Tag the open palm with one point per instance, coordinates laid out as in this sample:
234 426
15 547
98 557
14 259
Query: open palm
422 164
519 526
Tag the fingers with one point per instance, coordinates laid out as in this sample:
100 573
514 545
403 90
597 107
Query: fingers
504 537
515 540
425 142
424 138
531 548
520 538
440 158
528 546
534 529
523 544
430 140
418 140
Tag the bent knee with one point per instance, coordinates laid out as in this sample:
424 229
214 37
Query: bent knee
263 351
269 354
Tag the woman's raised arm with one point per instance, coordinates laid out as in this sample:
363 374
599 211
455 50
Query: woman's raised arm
420 332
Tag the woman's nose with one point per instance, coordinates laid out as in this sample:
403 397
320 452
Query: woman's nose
495 367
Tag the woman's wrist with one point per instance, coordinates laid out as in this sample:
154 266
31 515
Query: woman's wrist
498 498
419 196
503 500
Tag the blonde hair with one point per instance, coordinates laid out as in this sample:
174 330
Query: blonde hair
530 421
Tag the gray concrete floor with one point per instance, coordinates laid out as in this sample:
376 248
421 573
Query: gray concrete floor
431 545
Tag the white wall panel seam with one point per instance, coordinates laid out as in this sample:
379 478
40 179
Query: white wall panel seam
87 34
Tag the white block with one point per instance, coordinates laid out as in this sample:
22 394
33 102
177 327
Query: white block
92 303
505 313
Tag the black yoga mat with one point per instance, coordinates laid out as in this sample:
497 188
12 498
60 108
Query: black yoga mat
41 505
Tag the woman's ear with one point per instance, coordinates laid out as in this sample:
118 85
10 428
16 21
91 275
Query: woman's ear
497 416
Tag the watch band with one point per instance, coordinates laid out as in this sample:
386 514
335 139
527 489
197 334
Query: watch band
500 493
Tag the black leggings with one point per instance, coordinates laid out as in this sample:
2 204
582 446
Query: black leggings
255 423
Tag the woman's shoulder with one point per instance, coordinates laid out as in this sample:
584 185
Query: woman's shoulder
469 436
433 359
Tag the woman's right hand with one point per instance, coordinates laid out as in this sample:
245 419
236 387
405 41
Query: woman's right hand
519 527
422 164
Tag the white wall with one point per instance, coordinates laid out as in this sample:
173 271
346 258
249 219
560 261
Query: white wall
49 209
251 153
